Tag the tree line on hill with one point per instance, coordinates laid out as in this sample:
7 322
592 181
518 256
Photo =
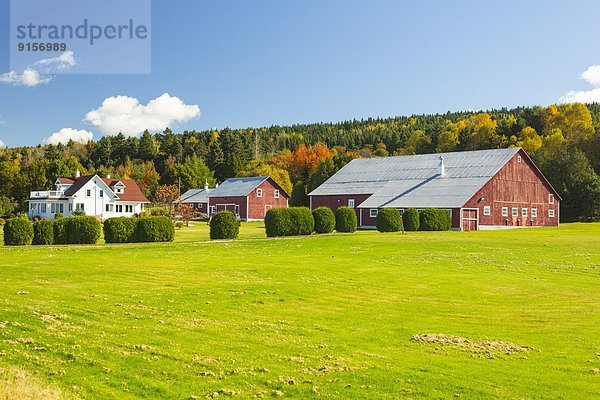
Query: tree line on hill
563 140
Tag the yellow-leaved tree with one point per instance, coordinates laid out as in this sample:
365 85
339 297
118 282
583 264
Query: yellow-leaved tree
530 140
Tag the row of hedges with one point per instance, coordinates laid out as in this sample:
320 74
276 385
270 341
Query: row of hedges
139 230
430 219
75 230
299 221
87 230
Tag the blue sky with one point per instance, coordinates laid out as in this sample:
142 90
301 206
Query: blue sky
255 63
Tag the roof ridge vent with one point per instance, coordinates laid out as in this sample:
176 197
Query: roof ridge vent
441 166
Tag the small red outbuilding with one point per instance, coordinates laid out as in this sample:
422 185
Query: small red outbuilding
248 198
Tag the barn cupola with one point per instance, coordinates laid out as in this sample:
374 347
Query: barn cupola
205 185
77 174
441 166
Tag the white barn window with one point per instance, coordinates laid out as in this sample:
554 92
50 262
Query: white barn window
551 198
551 213
373 212
515 212
534 212
351 203
523 212
487 210
505 211
258 192
276 193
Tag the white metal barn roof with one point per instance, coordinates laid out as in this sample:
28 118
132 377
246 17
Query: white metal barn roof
414 181
196 196
234 187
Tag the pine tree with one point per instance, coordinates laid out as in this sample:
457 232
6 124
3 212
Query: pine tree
299 197
216 160
148 147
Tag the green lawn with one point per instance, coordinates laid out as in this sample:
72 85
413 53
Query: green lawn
328 317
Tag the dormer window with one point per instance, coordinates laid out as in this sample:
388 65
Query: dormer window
119 188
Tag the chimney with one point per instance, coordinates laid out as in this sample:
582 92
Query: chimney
77 173
107 176
441 167
205 185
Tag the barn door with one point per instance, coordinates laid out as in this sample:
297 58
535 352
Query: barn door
469 220
267 208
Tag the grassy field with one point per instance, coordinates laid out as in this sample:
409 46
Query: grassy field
518 313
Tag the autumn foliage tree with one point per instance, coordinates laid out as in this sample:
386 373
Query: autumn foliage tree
166 195
303 161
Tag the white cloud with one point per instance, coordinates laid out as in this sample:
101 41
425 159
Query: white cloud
591 76
581 96
29 78
65 134
126 114
63 62
2 144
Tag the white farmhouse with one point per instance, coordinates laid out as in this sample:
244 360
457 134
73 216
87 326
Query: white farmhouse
100 197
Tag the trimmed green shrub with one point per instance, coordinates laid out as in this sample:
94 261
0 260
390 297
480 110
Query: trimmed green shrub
154 229
83 230
345 220
324 220
435 219
61 233
224 225
292 221
119 230
18 232
302 220
389 220
278 222
43 232
411 220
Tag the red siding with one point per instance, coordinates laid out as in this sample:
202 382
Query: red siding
367 220
229 203
335 201
202 207
260 205
517 185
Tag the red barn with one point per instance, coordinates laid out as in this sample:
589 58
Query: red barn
248 198
484 189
